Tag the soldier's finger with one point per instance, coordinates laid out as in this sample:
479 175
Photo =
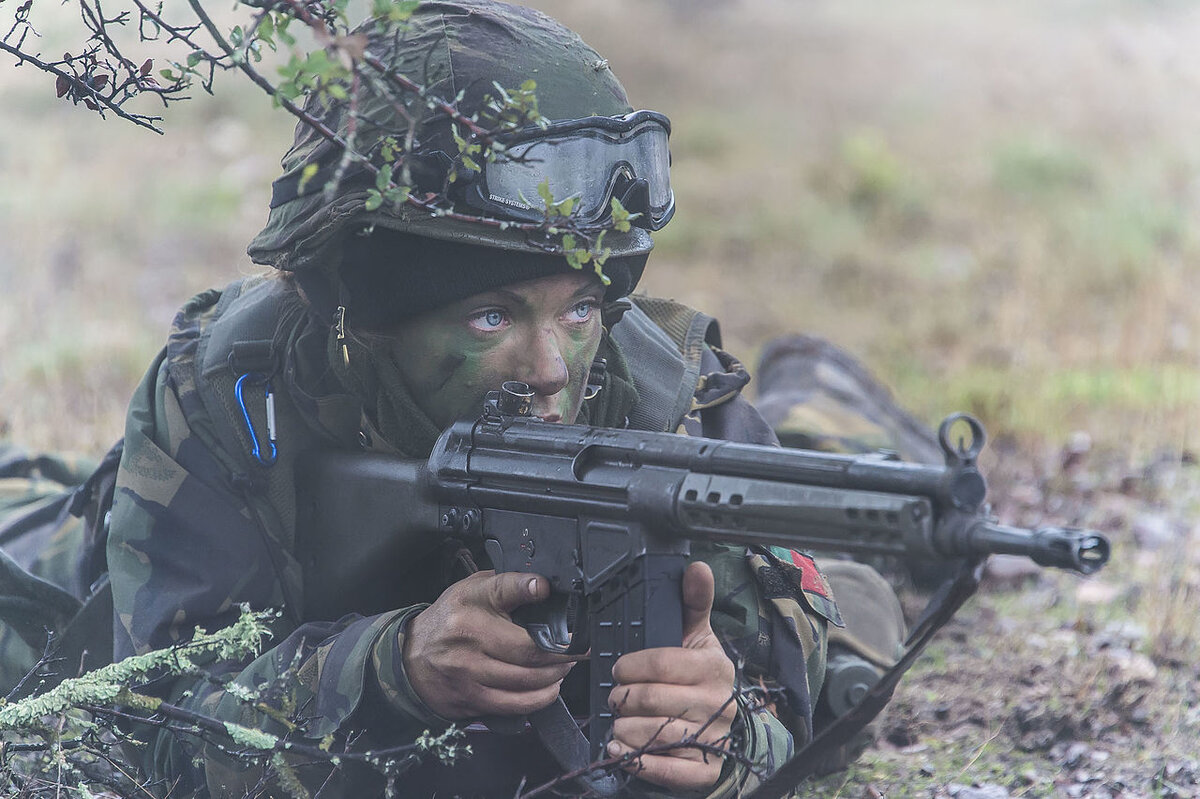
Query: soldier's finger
507 677
675 773
699 586
503 593
493 701
672 665
644 731
667 701
510 643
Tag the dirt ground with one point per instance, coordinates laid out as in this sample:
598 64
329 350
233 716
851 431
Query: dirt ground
1047 684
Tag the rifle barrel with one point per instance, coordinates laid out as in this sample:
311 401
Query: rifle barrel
1062 547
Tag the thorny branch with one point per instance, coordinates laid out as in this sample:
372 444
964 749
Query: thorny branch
82 737
100 76
724 747
104 78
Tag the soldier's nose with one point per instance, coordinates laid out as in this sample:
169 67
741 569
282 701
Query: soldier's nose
546 371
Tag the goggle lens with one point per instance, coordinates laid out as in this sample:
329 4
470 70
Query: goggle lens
589 163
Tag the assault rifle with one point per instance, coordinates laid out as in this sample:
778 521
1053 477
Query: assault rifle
607 515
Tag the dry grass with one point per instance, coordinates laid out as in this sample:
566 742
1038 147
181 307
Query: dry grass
990 204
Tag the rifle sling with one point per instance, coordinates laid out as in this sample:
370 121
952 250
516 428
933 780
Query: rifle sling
808 761
558 732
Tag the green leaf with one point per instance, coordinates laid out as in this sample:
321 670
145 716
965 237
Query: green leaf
568 242
374 200
543 190
289 91
193 59
393 11
317 62
291 69
397 194
384 177
307 174
281 26
620 216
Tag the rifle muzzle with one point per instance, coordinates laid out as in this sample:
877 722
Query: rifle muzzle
1083 551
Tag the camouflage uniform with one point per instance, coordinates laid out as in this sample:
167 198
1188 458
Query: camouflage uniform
200 526
191 501
39 585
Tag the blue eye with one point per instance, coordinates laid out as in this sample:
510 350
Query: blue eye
583 310
489 320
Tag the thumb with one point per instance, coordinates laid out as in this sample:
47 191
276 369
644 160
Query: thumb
510 590
698 589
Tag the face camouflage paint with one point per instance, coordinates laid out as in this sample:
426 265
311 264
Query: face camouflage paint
543 332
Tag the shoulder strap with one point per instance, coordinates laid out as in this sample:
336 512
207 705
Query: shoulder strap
663 342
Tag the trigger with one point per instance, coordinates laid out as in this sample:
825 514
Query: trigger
548 639
547 624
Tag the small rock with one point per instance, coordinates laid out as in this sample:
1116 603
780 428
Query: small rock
1096 592
1153 531
1076 449
1132 667
1074 754
1120 635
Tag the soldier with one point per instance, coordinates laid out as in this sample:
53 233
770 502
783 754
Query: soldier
381 328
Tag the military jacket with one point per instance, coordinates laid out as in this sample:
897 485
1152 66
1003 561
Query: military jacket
200 526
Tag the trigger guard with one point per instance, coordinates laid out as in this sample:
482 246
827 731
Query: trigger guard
544 638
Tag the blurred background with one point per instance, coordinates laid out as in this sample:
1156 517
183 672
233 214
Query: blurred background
991 204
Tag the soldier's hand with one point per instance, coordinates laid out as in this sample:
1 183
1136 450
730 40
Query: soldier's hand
664 695
465 657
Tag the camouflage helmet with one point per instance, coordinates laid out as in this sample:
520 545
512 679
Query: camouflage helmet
460 49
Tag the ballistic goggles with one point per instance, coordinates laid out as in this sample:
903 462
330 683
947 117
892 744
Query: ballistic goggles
590 160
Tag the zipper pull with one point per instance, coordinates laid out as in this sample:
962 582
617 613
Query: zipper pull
339 324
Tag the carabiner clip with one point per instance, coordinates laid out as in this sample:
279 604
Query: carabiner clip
256 450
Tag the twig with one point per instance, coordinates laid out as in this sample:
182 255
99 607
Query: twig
142 120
